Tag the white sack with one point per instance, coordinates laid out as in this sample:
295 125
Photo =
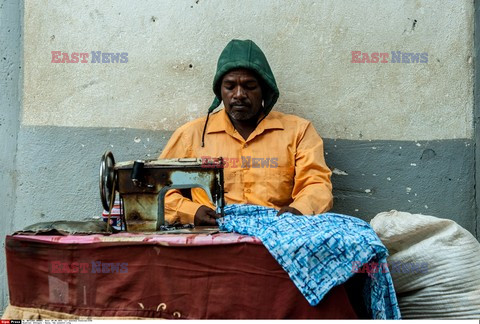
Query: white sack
450 288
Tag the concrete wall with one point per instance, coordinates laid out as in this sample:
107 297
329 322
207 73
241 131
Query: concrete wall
172 49
10 99
399 135
476 91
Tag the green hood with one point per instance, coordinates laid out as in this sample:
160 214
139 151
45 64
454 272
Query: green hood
245 54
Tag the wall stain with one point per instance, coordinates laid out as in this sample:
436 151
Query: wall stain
414 24
428 154
84 86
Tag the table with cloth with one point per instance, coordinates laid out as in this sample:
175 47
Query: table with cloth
284 266
223 275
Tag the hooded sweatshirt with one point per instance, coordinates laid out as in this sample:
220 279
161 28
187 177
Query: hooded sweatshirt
247 55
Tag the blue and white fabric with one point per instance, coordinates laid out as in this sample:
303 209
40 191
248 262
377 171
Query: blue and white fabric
318 251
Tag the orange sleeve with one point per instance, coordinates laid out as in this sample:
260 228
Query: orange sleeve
312 190
177 207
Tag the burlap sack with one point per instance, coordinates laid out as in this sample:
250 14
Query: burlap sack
449 287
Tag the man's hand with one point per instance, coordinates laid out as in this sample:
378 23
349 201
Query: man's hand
288 209
205 216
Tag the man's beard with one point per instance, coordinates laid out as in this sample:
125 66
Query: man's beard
246 114
243 115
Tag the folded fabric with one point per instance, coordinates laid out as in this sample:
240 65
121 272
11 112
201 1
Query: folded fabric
318 252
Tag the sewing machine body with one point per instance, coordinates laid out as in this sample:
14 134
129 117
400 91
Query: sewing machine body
142 186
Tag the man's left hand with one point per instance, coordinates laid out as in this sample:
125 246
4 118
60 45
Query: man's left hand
288 209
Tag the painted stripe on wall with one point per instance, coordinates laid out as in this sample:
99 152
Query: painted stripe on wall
58 173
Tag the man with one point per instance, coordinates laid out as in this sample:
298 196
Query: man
273 159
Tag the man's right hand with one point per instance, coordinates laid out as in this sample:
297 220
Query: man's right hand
205 216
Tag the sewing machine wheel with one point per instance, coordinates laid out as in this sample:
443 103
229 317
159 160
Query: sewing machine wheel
107 176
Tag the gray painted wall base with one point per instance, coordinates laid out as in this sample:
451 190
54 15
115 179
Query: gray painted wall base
431 178
59 174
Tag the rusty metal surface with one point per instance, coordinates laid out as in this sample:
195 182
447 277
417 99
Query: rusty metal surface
64 227
165 163
142 209
161 177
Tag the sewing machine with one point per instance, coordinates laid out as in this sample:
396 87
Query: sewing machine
143 184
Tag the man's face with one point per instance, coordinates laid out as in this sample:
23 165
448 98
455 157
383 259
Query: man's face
241 94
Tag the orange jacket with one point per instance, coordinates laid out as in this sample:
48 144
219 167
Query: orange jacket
281 164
